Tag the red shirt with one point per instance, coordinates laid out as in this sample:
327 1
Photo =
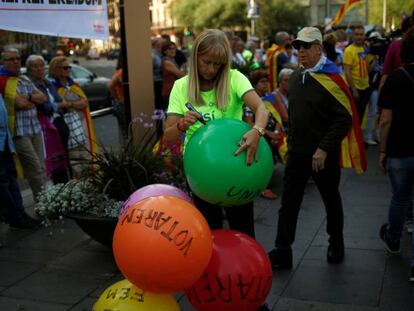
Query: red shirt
392 58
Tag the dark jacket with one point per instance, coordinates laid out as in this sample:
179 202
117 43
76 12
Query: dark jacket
316 118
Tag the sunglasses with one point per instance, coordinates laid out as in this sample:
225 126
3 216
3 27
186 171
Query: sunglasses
66 67
305 45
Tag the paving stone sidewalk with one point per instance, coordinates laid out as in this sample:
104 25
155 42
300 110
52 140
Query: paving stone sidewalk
60 268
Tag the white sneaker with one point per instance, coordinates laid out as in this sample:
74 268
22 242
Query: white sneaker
371 142
409 226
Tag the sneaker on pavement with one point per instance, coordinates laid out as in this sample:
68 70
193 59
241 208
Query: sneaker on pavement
392 247
280 259
412 275
409 226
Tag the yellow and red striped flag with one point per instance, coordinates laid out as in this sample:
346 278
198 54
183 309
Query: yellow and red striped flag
345 8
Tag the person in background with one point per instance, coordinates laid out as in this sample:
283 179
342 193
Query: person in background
21 99
250 53
292 56
181 60
56 160
356 70
277 58
117 92
82 141
238 60
157 71
392 57
281 95
329 48
374 63
260 81
11 207
397 145
170 71
393 61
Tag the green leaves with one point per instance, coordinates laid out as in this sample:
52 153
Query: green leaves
275 15
200 14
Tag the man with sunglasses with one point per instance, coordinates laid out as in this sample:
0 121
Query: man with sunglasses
320 117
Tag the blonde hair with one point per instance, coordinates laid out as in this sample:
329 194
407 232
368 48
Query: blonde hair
211 41
55 65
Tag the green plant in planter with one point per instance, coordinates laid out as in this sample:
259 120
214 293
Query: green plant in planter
113 176
118 173
74 197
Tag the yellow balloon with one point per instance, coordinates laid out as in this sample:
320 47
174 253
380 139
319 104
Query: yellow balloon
124 296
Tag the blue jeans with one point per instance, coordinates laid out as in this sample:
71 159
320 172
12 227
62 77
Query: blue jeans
401 173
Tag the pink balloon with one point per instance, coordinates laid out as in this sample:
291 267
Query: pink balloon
153 191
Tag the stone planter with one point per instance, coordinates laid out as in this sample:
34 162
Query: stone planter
100 229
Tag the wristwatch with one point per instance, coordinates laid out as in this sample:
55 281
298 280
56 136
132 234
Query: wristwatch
261 130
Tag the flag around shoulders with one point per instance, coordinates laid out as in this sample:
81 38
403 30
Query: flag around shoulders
343 10
85 19
352 146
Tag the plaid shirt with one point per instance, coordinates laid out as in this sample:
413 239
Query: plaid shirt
76 132
27 122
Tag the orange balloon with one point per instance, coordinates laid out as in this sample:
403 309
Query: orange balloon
162 244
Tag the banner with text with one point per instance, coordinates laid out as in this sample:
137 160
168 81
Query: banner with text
87 19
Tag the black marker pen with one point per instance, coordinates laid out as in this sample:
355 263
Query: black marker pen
191 108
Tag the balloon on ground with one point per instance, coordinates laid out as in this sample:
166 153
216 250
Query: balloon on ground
124 296
162 244
215 174
238 277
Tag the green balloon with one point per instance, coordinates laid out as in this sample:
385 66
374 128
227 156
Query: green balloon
215 174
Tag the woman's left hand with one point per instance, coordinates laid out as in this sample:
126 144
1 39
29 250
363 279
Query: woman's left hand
249 143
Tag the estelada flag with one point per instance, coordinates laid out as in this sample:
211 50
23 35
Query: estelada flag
271 64
345 8
352 146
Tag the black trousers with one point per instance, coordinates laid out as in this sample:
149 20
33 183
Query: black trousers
240 217
361 103
11 202
297 172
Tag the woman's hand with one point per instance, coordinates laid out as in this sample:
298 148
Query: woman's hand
249 143
190 118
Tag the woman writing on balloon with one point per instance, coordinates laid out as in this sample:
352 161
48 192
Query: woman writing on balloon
216 91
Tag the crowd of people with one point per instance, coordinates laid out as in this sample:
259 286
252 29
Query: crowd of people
318 100
46 130
320 95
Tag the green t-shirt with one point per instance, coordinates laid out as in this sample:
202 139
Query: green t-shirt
239 85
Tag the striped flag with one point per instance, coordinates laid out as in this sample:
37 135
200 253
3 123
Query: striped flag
345 8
